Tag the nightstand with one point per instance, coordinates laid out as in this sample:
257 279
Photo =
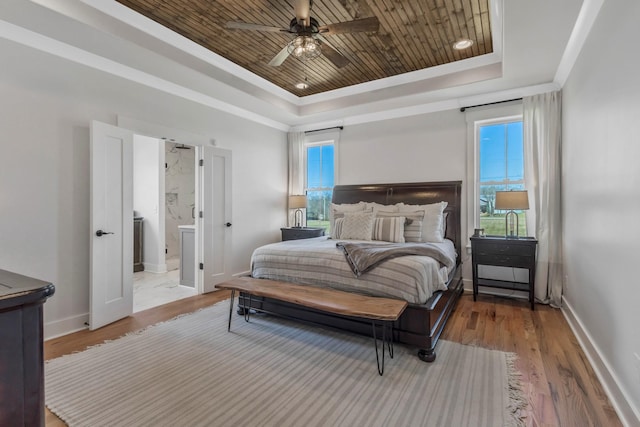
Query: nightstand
295 233
504 252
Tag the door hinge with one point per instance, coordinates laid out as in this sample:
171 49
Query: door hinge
201 266
201 214
201 162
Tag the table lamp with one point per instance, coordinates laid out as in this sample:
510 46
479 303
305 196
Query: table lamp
298 202
511 200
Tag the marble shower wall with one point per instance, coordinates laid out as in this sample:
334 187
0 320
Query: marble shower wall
179 194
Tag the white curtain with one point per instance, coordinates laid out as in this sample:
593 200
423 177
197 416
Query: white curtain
296 167
542 144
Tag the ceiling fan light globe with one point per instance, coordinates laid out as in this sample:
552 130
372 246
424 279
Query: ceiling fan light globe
304 47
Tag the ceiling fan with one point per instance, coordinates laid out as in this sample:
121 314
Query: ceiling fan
310 41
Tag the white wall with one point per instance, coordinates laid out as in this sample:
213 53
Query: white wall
601 191
429 147
44 188
148 190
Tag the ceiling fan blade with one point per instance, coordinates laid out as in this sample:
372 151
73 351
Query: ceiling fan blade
255 27
302 10
280 57
332 54
357 26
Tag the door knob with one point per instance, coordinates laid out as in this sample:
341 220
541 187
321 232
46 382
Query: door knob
100 233
228 224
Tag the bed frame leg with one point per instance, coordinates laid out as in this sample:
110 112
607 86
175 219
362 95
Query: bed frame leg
427 355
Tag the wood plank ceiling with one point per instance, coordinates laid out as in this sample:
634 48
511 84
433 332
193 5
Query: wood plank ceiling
412 35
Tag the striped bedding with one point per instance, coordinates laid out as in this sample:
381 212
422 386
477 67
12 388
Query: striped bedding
318 262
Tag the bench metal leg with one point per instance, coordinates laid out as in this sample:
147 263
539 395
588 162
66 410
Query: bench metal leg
247 311
233 294
385 342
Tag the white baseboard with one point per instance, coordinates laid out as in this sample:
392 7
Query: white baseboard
629 415
155 268
66 326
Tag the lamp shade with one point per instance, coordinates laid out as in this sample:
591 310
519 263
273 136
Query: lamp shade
297 202
512 200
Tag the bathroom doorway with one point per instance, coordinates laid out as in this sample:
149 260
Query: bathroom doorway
164 203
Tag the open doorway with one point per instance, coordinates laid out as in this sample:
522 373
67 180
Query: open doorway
112 215
164 197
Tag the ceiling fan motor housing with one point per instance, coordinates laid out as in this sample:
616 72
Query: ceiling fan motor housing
296 28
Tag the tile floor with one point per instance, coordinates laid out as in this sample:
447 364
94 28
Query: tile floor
153 289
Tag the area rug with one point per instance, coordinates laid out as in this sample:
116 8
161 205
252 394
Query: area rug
274 372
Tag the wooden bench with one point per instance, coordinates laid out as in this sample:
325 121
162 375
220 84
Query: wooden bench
382 310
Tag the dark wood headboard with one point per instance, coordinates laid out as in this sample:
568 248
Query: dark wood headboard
411 193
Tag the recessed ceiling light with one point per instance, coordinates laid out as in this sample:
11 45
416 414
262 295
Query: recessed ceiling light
302 85
463 44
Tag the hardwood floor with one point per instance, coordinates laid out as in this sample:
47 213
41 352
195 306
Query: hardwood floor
561 387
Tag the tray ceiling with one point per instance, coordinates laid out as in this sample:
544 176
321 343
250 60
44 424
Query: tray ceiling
412 35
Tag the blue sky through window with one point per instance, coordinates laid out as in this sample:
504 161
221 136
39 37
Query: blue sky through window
320 166
501 152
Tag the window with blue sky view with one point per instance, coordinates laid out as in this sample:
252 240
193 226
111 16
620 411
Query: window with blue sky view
320 181
500 168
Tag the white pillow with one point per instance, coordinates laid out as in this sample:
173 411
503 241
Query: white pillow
432 224
377 207
389 229
357 226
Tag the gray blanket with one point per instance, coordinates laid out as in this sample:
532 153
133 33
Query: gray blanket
363 257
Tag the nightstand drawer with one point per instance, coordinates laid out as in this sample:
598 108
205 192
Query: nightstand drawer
490 248
293 233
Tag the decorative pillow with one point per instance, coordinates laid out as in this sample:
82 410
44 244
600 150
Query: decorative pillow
413 230
337 211
432 227
336 230
389 229
412 224
357 226
445 215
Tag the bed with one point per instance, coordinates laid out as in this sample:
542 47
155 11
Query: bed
429 307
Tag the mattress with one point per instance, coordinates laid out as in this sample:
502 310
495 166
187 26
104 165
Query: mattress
318 262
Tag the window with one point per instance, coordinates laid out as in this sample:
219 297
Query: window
500 167
319 182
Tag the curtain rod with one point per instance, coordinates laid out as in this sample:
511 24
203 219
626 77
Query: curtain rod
318 130
489 103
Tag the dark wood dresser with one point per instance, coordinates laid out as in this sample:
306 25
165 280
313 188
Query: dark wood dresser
21 349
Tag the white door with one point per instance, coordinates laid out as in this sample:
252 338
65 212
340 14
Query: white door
216 219
111 290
